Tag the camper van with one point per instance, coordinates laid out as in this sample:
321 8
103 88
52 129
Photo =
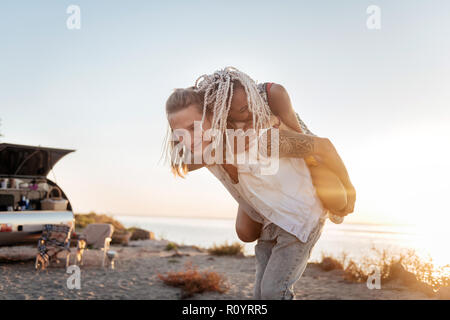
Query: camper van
28 199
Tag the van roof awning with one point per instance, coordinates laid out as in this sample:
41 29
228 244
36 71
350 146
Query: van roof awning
21 160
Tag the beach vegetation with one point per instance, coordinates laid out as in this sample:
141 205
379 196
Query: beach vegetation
83 220
192 281
233 249
405 267
171 246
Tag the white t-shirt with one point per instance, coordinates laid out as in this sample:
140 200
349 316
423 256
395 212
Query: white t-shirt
286 198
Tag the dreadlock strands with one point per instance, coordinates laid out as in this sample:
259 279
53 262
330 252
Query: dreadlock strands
219 88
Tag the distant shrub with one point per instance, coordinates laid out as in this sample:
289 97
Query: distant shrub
82 220
234 249
191 281
120 236
329 263
171 246
405 267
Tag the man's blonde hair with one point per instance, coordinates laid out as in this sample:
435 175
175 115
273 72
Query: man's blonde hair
213 94
173 153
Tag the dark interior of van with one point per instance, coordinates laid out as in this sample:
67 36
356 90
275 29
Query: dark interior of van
25 194
23 171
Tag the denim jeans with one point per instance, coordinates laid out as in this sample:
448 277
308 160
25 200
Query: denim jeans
281 259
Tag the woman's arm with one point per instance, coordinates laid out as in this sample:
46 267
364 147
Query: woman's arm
281 106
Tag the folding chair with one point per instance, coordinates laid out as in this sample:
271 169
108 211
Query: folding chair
98 235
54 239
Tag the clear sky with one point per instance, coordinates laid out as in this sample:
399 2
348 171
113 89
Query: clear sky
381 96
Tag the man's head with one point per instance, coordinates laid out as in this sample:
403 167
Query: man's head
224 95
184 108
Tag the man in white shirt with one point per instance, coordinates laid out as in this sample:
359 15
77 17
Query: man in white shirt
284 245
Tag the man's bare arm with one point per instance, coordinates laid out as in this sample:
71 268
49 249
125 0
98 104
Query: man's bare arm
330 158
298 145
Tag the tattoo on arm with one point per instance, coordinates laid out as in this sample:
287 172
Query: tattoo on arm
295 145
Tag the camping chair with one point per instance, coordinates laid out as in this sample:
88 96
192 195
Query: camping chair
54 239
97 235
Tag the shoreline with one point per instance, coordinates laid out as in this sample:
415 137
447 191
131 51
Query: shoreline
372 224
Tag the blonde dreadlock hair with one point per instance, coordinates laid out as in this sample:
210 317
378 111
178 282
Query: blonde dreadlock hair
218 93
215 91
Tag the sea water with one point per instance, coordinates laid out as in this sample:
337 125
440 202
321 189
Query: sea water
356 240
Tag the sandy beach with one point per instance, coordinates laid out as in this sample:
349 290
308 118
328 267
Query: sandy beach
136 276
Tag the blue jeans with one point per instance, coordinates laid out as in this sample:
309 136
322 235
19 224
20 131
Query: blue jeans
281 259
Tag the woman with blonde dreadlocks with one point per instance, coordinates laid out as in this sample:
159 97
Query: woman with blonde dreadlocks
239 115
285 203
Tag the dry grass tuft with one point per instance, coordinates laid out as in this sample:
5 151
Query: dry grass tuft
407 268
171 246
234 249
329 263
83 220
192 281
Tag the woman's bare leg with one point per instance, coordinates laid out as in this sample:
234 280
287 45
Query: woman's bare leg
247 229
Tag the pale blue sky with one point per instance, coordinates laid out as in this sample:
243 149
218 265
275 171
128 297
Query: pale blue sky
382 96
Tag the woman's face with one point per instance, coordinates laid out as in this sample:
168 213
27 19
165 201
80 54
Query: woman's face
239 107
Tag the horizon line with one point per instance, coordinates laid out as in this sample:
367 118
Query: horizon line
228 218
